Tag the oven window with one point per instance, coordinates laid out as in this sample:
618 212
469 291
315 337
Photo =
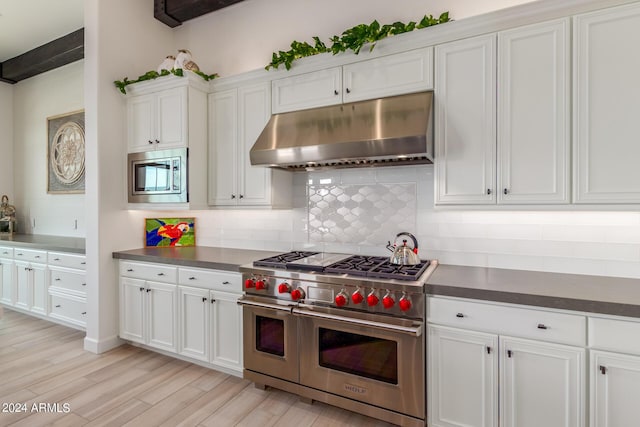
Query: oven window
154 176
270 335
360 355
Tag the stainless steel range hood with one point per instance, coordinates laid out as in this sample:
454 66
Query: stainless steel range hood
387 131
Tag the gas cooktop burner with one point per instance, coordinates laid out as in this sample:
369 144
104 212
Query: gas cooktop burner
281 261
355 265
379 267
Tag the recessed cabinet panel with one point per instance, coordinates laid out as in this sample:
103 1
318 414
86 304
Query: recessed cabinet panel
132 309
533 113
172 118
615 387
195 306
309 90
141 123
7 273
223 110
535 375
465 135
226 321
162 310
606 107
391 75
255 111
463 376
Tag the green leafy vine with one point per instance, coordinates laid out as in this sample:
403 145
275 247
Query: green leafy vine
351 39
151 75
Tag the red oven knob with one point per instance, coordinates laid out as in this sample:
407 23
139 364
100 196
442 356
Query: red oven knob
284 288
261 285
297 294
372 299
341 299
357 297
249 283
388 301
404 303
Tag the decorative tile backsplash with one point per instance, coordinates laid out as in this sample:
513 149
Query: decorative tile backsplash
360 214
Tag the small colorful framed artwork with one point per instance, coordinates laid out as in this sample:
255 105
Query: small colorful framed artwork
160 232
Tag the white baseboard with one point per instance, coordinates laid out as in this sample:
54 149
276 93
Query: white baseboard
101 346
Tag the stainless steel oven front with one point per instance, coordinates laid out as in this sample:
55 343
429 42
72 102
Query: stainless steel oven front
158 176
366 357
270 338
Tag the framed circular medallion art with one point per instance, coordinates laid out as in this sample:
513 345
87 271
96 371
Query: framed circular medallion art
65 153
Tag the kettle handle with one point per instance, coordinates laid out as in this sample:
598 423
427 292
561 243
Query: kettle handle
413 238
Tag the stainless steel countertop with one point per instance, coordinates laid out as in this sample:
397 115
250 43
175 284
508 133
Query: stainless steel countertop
45 242
196 256
596 294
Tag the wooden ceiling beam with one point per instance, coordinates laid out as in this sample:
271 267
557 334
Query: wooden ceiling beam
59 52
175 12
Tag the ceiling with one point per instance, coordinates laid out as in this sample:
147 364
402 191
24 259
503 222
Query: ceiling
27 24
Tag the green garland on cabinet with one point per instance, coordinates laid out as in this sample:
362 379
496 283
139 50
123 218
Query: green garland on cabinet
151 75
351 39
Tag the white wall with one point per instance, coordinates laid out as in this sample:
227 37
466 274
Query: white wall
6 140
121 39
243 36
49 94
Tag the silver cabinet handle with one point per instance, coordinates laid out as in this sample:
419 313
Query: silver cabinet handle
84 284
542 326
57 279
192 278
58 306
160 274
226 282
129 270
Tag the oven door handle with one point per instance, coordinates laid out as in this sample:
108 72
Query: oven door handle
288 308
409 330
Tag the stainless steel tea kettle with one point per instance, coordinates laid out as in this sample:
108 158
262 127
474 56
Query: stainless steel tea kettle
404 255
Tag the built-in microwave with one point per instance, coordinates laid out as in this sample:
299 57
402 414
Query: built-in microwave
158 176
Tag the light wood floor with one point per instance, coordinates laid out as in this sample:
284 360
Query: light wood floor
41 362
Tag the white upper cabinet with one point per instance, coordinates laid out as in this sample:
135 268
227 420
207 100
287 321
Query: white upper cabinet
465 121
533 114
390 75
237 118
315 89
166 113
606 107
158 121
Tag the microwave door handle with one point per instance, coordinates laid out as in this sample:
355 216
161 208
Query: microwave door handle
408 330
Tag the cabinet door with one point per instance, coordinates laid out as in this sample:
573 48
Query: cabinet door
226 324
606 107
389 75
162 316
172 118
132 309
141 123
465 121
223 140
462 378
194 322
615 387
254 112
316 89
533 113
541 384
39 284
6 280
23 285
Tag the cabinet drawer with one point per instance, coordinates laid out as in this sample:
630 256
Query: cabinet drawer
508 320
210 279
69 308
6 252
67 260
614 334
30 255
68 280
154 272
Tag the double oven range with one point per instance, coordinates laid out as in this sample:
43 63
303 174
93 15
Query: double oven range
344 330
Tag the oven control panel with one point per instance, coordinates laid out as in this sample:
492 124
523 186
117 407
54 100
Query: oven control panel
405 303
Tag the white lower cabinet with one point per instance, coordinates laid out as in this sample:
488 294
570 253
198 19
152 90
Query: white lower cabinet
194 314
7 272
148 313
31 287
474 375
614 371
